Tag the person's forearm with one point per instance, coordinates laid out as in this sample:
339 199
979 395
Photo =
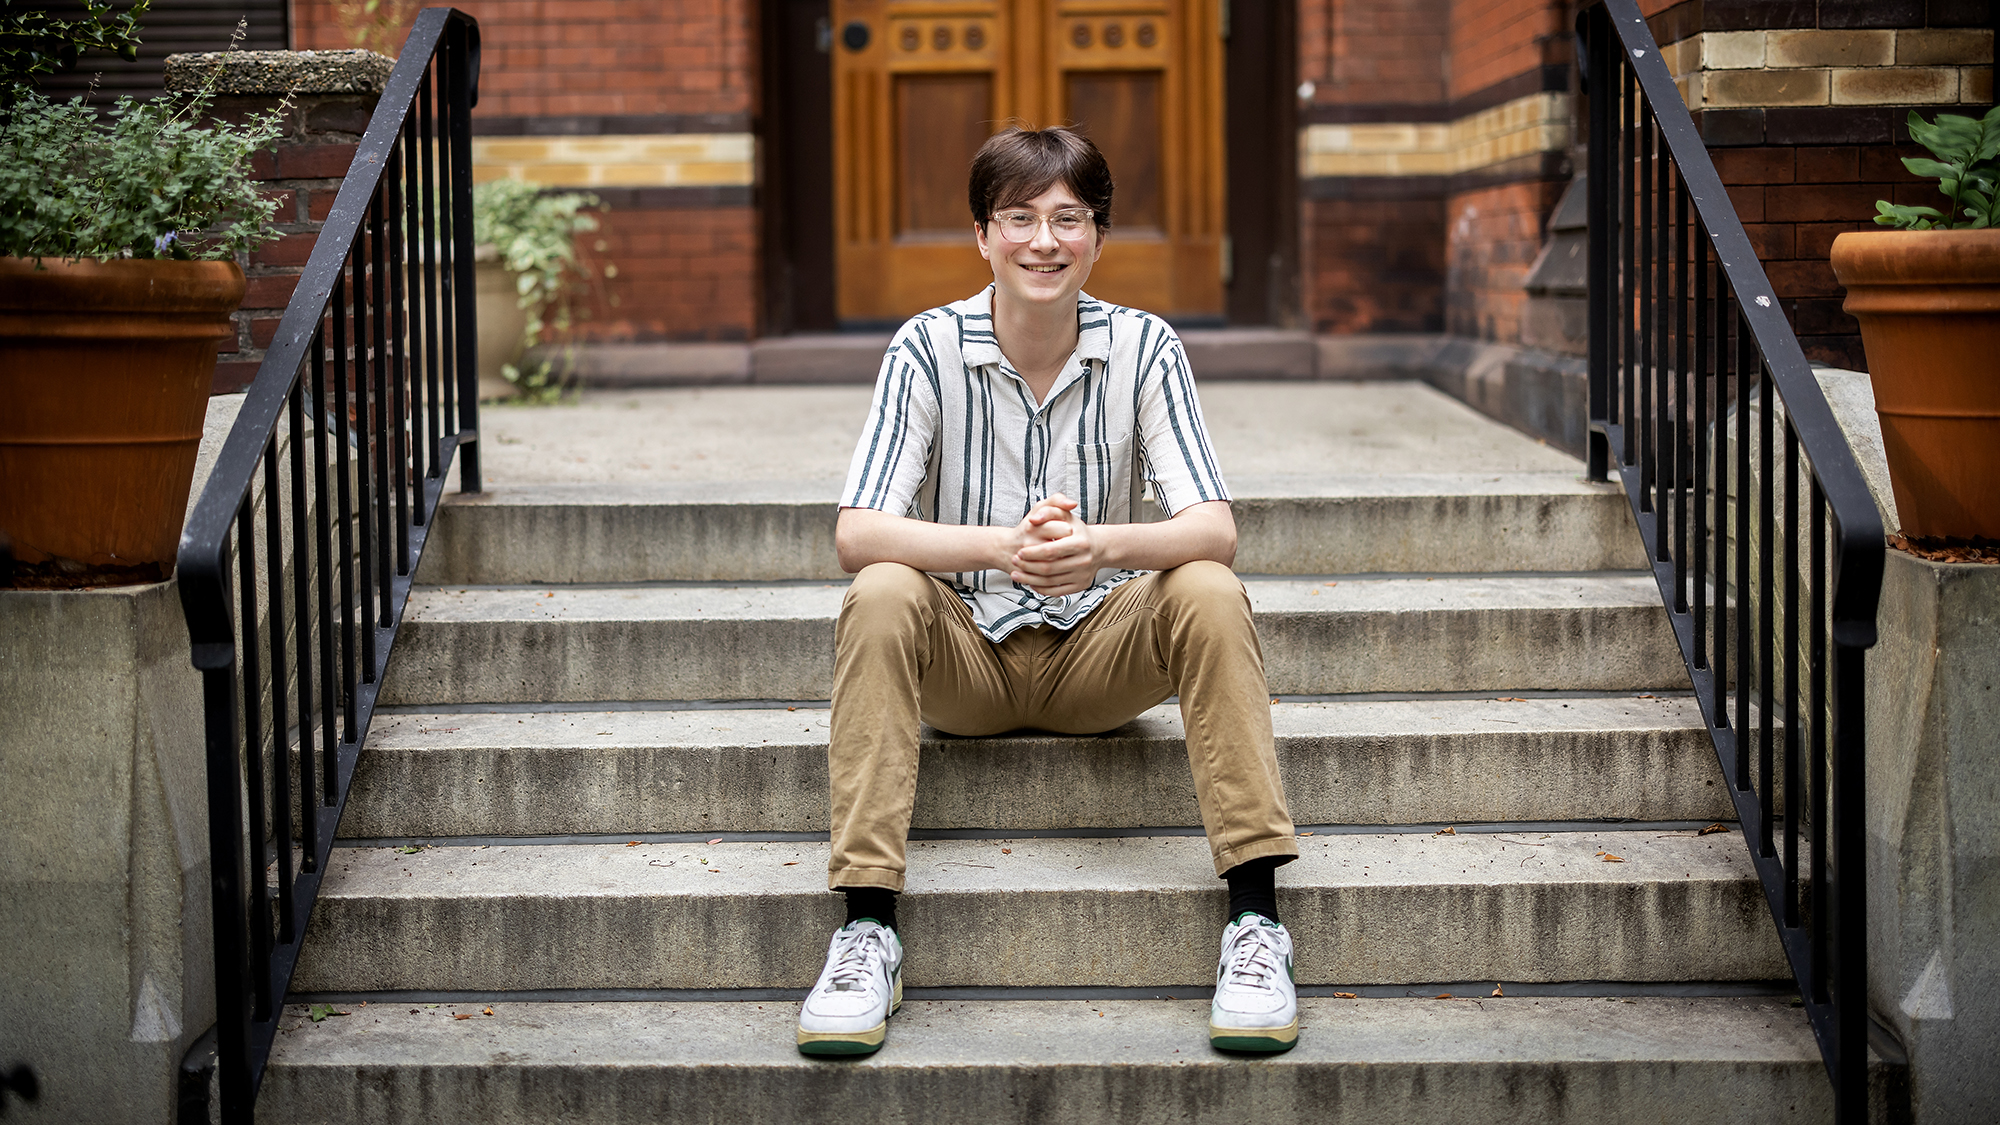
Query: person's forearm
1199 531
864 536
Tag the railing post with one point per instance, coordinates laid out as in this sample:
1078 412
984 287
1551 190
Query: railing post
1599 89
462 47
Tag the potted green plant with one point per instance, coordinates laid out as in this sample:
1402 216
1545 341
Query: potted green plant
528 273
1927 294
118 241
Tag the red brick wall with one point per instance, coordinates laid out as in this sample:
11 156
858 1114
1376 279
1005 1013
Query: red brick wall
560 57
303 172
1374 265
684 273
1373 51
1494 40
1492 237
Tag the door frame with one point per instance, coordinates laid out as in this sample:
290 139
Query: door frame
795 152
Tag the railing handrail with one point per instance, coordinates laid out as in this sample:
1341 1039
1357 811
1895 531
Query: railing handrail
1859 523
402 220
202 563
1650 321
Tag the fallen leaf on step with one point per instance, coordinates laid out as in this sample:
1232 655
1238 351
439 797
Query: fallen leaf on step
715 841
791 708
319 1012
715 871
1447 830
486 1011
1305 833
1347 996
1712 829
633 844
1444 996
790 863
1496 990
461 1015
1274 703
412 849
1609 858
1006 851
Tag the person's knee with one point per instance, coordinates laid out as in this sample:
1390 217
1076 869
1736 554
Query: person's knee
1203 586
884 594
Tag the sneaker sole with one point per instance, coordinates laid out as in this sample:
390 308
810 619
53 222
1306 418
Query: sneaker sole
1257 1040
851 1042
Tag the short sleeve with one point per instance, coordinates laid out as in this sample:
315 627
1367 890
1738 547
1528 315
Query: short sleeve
1174 450
893 455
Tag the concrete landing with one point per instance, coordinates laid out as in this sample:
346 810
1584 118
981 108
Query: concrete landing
808 433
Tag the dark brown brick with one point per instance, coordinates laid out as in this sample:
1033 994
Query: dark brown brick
1755 165
263 329
1724 128
1835 165
309 162
1750 15
1886 162
1829 125
232 376
1819 203
1815 240
271 292
291 250
1748 199
1770 240
1799 278
1822 316
1959 13
1835 351
1871 13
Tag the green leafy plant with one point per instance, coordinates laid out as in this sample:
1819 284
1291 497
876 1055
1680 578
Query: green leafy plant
148 179
533 234
1965 169
34 43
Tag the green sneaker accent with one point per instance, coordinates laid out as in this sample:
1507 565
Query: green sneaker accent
835 1047
1252 1044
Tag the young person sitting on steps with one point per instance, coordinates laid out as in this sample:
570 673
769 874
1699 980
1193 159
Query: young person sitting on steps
1000 582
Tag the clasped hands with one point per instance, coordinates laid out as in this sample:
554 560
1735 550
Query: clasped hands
1051 551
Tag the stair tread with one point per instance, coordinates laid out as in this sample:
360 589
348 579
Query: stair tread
444 730
1333 1031
978 867
751 601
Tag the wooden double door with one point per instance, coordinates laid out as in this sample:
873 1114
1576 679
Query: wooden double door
918 86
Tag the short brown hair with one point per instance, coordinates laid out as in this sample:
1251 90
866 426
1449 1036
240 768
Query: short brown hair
1019 164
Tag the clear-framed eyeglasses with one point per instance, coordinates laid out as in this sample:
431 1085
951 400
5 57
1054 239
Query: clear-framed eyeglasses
1069 225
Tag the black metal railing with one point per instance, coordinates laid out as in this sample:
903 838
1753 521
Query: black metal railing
297 560
1762 533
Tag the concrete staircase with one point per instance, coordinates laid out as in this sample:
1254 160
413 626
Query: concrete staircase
585 873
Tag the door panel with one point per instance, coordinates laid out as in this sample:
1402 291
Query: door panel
919 84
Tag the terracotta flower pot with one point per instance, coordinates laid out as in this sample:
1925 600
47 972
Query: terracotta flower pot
1929 307
105 371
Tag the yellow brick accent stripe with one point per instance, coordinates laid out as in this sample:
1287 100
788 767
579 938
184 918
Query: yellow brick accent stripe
1522 127
632 160
1813 67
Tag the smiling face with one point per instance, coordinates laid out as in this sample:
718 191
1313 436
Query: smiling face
1044 271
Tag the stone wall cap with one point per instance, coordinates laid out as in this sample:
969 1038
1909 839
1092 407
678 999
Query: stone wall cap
282 72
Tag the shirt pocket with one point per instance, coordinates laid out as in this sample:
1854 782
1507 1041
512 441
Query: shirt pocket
1101 472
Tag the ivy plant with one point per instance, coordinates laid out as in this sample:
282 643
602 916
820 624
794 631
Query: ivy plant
1964 166
533 234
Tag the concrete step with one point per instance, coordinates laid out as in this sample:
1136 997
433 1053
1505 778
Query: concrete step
528 644
1416 761
1135 911
1525 1061
1294 524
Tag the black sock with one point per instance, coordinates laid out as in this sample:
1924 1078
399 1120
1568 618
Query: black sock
1253 886
871 902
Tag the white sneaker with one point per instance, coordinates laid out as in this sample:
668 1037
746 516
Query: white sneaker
847 1012
1256 1006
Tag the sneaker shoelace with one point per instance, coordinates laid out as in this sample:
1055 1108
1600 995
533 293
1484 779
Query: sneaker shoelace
854 960
1254 958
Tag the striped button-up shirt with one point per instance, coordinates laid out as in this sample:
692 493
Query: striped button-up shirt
955 436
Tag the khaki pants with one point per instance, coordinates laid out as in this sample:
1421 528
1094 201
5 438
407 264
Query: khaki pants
906 649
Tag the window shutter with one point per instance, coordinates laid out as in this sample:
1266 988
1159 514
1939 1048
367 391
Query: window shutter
170 27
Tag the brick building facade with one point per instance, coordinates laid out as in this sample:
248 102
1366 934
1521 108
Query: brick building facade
1435 138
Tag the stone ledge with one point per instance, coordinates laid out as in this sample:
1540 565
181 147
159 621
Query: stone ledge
281 72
